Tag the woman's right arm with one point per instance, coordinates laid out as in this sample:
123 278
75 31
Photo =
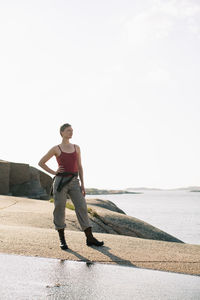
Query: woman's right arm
45 158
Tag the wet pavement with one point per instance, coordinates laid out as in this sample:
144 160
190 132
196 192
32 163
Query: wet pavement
27 278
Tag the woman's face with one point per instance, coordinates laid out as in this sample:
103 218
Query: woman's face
68 132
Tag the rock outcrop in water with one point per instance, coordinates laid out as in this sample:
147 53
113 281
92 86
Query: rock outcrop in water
18 179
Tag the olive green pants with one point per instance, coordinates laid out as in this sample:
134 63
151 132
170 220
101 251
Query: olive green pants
73 190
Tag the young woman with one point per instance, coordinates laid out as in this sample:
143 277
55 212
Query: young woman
66 183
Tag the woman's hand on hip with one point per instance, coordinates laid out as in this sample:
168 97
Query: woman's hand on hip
61 169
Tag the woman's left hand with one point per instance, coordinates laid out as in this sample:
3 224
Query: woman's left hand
83 190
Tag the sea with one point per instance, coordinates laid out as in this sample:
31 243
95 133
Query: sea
176 212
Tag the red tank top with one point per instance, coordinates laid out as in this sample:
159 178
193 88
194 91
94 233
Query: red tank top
68 160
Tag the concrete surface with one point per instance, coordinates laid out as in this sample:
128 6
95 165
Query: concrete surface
26 278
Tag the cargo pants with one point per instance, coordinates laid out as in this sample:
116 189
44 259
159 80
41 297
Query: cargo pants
72 189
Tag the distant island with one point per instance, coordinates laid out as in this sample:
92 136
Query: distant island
143 189
189 189
137 190
93 191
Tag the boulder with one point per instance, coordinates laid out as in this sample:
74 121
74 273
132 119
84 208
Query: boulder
46 181
20 179
4 177
19 173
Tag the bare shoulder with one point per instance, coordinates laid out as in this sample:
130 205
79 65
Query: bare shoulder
48 155
55 149
77 148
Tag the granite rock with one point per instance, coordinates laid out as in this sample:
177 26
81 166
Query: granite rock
107 215
22 180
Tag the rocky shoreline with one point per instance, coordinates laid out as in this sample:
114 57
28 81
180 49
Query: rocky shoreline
26 228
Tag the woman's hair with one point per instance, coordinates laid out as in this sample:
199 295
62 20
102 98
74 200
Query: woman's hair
62 128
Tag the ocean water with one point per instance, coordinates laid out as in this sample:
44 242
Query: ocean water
175 212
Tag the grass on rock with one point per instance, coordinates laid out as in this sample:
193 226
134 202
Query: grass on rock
70 205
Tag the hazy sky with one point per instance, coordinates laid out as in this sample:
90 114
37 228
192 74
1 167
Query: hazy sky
125 74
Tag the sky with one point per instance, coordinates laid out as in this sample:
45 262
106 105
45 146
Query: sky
125 74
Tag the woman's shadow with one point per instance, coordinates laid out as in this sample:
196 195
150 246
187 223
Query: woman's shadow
106 251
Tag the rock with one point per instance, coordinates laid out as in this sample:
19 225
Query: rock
104 204
99 226
46 181
4 177
37 188
104 212
20 179
19 173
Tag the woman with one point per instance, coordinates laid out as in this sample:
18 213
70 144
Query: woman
66 183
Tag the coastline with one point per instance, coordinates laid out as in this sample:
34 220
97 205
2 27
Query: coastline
27 229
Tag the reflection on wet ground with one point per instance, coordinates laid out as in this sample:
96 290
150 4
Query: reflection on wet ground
37 278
